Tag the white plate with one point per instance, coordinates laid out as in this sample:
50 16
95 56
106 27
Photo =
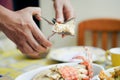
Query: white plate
107 72
67 53
29 75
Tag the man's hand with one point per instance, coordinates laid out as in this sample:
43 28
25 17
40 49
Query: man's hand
22 30
63 10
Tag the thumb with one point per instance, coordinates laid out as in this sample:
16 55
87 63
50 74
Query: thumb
35 11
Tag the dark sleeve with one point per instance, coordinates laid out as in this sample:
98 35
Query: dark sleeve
20 4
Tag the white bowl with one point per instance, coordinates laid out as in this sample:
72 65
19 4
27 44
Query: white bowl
29 75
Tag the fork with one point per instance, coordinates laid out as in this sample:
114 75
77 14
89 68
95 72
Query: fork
54 20
49 22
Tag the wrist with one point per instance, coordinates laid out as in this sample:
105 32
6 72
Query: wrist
4 14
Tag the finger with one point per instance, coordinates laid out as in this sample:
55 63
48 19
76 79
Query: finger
68 10
38 35
27 50
35 11
59 12
69 13
34 44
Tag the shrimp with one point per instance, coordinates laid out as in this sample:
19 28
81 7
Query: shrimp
71 73
87 62
68 73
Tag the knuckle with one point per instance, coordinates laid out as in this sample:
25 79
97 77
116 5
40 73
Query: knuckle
22 23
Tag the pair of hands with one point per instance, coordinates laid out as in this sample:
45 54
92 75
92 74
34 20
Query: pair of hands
22 30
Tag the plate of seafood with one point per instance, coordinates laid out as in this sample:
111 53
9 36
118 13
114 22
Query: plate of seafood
109 74
65 54
64 71
84 70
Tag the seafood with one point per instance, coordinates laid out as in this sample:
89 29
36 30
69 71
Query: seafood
66 28
70 73
87 62
81 71
114 75
76 72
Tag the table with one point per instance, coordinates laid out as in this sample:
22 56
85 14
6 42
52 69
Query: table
14 63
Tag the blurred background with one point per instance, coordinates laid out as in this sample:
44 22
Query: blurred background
13 63
84 9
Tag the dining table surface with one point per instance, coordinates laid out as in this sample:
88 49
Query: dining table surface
13 63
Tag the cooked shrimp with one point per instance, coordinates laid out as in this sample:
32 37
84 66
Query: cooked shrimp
69 73
87 62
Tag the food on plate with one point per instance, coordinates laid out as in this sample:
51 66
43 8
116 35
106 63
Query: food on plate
103 76
65 28
82 71
78 72
114 75
87 61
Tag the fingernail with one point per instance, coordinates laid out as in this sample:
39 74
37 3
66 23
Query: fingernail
60 20
38 17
